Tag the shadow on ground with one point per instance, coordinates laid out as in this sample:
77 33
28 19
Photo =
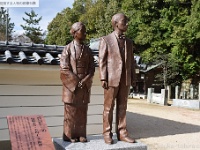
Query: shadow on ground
142 126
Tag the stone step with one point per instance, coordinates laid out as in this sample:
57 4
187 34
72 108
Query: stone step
96 142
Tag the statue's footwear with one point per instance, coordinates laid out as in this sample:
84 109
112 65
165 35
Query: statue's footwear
65 138
82 139
108 139
74 140
126 139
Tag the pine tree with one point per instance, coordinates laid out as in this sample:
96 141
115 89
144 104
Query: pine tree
32 28
3 17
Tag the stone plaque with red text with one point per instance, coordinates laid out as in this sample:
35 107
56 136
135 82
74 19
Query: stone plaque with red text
29 133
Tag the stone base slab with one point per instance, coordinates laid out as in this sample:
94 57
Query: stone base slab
96 142
192 104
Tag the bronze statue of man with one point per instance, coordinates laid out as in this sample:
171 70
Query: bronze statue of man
76 73
117 73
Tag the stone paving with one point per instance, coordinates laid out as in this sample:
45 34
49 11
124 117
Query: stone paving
163 127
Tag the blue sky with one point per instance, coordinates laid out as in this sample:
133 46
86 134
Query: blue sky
47 9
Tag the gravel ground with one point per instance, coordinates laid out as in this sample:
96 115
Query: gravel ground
163 127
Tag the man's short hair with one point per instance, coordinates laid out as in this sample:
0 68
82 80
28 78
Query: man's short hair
115 18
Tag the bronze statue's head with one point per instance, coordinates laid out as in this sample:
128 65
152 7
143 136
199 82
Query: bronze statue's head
120 22
78 30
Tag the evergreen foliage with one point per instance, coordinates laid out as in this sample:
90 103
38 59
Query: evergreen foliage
165 31
3 22
32 28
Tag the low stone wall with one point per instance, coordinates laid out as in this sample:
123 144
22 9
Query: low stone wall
192 104
184 102
158 98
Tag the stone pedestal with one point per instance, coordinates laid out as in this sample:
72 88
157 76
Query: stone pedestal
169 88
177 92
96 142
191 91
164 94
149 95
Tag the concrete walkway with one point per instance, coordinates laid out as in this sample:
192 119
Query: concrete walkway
163 127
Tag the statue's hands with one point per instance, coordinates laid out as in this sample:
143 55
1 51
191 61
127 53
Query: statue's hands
82 83
104 84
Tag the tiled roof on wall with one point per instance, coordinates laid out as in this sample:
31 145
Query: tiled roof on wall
29 53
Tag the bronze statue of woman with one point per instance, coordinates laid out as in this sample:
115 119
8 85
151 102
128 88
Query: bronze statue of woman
76 72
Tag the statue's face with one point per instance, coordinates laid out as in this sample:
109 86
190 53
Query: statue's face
81 33
122 23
